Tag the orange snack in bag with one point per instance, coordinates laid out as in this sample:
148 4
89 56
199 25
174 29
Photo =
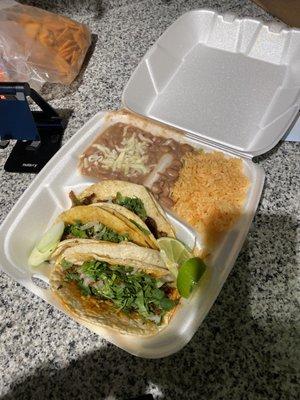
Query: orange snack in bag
53 46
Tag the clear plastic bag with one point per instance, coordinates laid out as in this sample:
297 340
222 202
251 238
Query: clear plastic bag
38 46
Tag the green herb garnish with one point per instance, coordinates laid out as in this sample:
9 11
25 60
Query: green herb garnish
129 290
111 236
85 289
94 231
133 204
65 264
72 276
77 232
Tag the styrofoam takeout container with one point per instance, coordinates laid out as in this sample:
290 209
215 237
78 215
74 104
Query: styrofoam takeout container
231 84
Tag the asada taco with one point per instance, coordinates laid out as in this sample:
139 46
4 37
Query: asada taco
94 222
120 286
131 219
135 198
88 223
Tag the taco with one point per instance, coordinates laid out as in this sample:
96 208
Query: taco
88 223
120 286
92 222
131 219
135 198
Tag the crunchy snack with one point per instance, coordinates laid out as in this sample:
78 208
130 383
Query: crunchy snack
42 46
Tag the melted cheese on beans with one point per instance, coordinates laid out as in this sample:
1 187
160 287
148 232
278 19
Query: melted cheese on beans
130 157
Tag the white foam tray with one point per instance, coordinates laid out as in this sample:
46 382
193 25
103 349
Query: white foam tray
47 196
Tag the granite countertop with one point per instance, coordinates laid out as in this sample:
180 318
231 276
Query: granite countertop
246 347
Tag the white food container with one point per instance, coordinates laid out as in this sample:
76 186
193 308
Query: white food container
232 85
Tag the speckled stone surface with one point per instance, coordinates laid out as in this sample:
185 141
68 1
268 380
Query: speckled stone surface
247 346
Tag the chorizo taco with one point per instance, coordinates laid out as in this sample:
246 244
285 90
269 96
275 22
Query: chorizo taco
120 286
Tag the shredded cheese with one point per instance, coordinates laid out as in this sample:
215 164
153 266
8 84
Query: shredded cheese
130 157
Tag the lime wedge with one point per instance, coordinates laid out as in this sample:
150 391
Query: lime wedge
51 236
36 257
48 243
173 252
189 275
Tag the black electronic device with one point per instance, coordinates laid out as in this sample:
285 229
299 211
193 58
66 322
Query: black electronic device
38 133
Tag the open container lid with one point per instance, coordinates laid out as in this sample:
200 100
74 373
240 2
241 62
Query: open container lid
233 83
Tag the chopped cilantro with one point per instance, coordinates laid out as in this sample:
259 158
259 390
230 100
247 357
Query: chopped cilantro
66 264
93 231
93 269
110 235
71 276
77 232
133 204
85 289
129 290
166 304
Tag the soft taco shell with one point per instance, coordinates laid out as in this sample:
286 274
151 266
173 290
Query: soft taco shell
113 253
108 189
102 312
86 214
65 244
128 216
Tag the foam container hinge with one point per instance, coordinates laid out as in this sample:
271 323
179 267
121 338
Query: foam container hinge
233 83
